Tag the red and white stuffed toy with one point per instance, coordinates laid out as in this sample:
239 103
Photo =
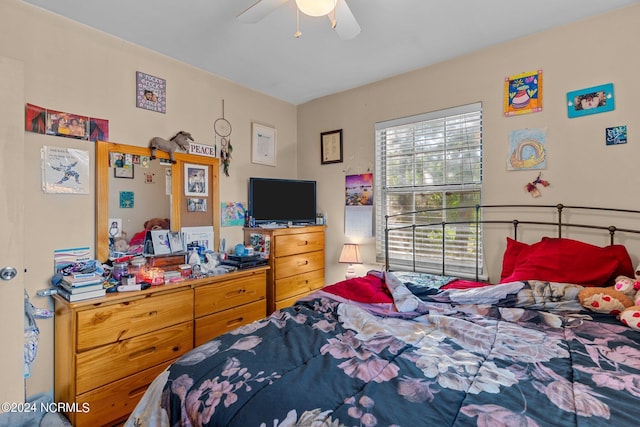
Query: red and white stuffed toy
621 300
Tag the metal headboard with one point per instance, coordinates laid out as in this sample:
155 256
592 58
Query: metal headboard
479 213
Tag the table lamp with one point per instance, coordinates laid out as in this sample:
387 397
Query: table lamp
350 255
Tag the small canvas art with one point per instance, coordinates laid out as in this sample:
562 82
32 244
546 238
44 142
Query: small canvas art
523 93
151 92
616 135
126 199
232 214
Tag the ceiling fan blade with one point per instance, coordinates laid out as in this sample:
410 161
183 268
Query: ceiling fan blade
344 22
259 10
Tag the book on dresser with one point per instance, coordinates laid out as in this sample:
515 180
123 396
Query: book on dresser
78 289
80 296
82 281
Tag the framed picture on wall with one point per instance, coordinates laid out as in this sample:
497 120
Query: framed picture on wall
263 144
124 172
196 180
331 147
593 100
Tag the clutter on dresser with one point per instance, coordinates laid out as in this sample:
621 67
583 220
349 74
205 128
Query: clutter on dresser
76 275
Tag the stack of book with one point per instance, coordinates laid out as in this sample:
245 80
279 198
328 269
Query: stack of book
78 287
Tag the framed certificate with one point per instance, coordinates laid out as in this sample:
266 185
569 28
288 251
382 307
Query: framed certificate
331 147
263 140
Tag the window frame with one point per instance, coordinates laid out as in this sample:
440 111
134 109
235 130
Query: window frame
455 260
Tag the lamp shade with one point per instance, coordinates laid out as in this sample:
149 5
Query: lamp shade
350 254
316 7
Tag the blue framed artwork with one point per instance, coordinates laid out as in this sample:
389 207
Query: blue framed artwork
592 100
616 135
126 199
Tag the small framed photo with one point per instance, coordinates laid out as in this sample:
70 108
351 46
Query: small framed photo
124 172
151 92
592 100
331 147
263 144
160 240
175 242
196 180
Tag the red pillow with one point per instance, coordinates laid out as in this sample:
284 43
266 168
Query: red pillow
565 261
625 265
510 256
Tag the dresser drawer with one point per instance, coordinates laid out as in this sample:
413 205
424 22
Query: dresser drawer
116 322
298 264
116 400
211 326
299 284
231 293
298 243
108 363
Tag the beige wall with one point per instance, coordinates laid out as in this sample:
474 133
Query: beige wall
581 169
72 68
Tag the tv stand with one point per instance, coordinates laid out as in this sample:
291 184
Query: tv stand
296 258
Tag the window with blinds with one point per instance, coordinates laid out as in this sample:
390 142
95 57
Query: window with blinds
428 167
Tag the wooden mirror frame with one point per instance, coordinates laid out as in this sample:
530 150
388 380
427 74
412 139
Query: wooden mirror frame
103 171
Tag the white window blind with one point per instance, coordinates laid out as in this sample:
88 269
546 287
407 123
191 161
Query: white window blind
430 165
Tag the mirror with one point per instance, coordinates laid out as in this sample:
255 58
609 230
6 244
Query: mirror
133 195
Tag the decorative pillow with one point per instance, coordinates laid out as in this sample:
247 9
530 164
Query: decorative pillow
510 257
625 266
566 261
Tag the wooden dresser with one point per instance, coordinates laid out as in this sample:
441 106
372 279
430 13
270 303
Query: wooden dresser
296 258
108 350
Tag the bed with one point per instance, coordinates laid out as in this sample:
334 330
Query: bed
402 348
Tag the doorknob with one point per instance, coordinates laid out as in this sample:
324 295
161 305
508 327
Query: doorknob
8 273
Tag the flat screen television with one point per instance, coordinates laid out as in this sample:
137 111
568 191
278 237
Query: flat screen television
282 200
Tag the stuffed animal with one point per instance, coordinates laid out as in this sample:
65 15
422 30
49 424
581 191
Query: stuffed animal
631 317
150 224
627 285
120 243
604 300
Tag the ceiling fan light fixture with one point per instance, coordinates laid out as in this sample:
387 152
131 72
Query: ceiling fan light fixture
316 7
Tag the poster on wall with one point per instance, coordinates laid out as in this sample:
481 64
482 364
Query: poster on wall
358 214
527 149
59 123
523 93
151 92
65 170
232 214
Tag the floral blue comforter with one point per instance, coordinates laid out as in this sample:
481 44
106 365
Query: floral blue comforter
516 354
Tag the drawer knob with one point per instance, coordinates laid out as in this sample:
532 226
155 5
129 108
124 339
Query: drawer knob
305 262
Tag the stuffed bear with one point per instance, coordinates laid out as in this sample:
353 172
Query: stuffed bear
604 300
120 243
150 224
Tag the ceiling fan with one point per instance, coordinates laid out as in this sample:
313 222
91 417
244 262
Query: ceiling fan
338 12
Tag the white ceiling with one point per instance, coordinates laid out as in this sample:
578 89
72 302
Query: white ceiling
397 36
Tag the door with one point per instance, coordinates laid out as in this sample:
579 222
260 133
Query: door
11 230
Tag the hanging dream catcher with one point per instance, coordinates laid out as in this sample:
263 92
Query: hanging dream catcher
222 128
